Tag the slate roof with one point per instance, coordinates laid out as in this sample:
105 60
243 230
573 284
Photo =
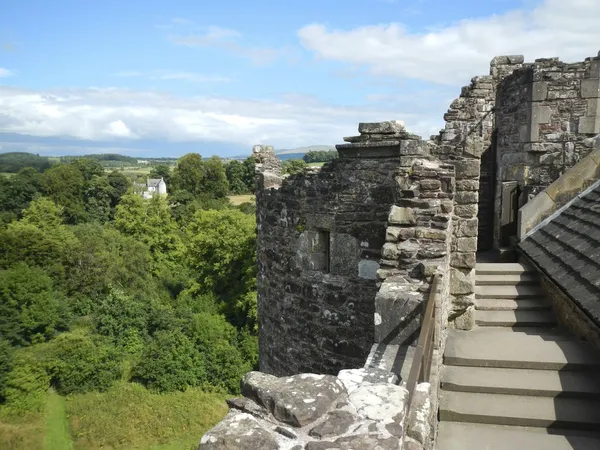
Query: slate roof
567 249
153 182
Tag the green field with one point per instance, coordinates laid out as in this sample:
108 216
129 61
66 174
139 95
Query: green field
316 164
128 416
6 174
239 199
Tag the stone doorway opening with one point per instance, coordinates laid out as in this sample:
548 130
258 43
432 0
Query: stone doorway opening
487 192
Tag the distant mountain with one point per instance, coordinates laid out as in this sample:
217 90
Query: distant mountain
303 150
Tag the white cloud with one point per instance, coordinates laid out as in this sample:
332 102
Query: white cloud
5 73
113 114
454 54
192 77
230 40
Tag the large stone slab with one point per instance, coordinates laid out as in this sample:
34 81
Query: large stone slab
297 400
379 401
238 431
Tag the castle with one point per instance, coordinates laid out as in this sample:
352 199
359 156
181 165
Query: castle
347 254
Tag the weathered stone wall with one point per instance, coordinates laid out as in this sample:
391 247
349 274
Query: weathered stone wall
569 314
546 112
417 245
319 244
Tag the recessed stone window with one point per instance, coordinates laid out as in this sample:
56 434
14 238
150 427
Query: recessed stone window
320 256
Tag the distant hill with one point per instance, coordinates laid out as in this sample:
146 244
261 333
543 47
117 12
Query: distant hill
14 161
293 153
303 150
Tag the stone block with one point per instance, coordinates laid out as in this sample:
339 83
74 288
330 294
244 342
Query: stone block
390 251
466 244
466 211
446 206
430 185
507 59
466 197
401 216
595 68
466 227
593 107
530 214
388 127
462 282
589 125
468 168
466 320
411 147
590 88
539 91
429 233
467 185
392 234
463 260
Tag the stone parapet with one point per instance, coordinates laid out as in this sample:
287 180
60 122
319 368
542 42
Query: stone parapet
361 408
417 245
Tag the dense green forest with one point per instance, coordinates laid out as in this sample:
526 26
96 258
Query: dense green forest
15 161
124 322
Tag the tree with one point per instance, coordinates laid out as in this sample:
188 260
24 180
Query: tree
250 173
221 252
151 222
217 338
98 196
119 315
44 214
65 184
162 171
47 248
18 191
103 257
188 175
30 308
215 182
82 362
236 177
294 166
88 167
170 362
6 364
26 383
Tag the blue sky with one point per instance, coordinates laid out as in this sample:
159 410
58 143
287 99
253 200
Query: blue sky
161 78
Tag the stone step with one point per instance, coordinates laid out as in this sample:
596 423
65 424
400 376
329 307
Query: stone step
518 350
515 318
543 383
520 410
470 436
501 304
504 279
549 333
508 292
502 268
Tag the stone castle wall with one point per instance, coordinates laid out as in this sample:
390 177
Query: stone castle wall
319 243
546 112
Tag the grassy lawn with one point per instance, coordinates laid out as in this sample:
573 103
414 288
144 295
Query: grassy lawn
315 164
21 431
130 417
239 199
57 429
7 175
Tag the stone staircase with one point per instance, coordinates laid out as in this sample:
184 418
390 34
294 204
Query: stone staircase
517 381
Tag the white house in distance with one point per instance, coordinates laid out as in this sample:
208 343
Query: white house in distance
155 186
